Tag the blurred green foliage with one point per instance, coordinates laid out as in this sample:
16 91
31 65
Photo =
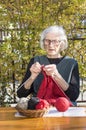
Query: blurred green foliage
21 21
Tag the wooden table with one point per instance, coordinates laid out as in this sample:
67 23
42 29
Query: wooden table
8 121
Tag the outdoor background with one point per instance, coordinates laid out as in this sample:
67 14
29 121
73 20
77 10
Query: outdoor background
21 22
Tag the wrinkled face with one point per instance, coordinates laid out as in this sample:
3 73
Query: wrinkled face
52 45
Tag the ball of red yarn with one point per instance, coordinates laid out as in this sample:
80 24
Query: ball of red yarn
62 104
43 104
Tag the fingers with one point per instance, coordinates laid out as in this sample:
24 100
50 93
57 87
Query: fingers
50 69
36 64
35 68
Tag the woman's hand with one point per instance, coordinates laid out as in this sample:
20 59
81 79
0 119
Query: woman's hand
35 69
51 70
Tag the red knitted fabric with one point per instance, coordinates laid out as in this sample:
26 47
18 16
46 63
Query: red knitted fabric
49 90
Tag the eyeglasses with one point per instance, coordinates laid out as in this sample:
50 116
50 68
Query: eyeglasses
48 41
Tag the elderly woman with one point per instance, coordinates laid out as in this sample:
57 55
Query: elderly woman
63 69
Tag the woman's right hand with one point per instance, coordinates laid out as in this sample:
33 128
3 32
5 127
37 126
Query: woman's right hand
35 69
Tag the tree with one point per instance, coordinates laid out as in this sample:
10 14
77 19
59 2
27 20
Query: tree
21 21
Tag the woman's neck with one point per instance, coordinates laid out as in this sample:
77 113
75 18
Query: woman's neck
54 56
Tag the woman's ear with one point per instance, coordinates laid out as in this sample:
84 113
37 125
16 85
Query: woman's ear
62 45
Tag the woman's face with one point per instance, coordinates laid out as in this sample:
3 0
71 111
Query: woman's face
52 45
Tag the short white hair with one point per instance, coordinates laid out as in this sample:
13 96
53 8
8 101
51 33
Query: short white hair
57 30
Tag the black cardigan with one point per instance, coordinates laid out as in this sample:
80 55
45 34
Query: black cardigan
74 88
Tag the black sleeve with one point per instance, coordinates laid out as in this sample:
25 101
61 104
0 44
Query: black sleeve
74 86
21 91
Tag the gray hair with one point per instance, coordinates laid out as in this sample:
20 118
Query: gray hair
60 33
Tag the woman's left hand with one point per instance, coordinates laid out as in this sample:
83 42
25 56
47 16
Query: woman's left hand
51 70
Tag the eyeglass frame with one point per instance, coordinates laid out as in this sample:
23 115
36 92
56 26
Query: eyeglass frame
48 41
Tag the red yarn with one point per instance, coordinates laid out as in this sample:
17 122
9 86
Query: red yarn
50 90
51 101
62 104
43 104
